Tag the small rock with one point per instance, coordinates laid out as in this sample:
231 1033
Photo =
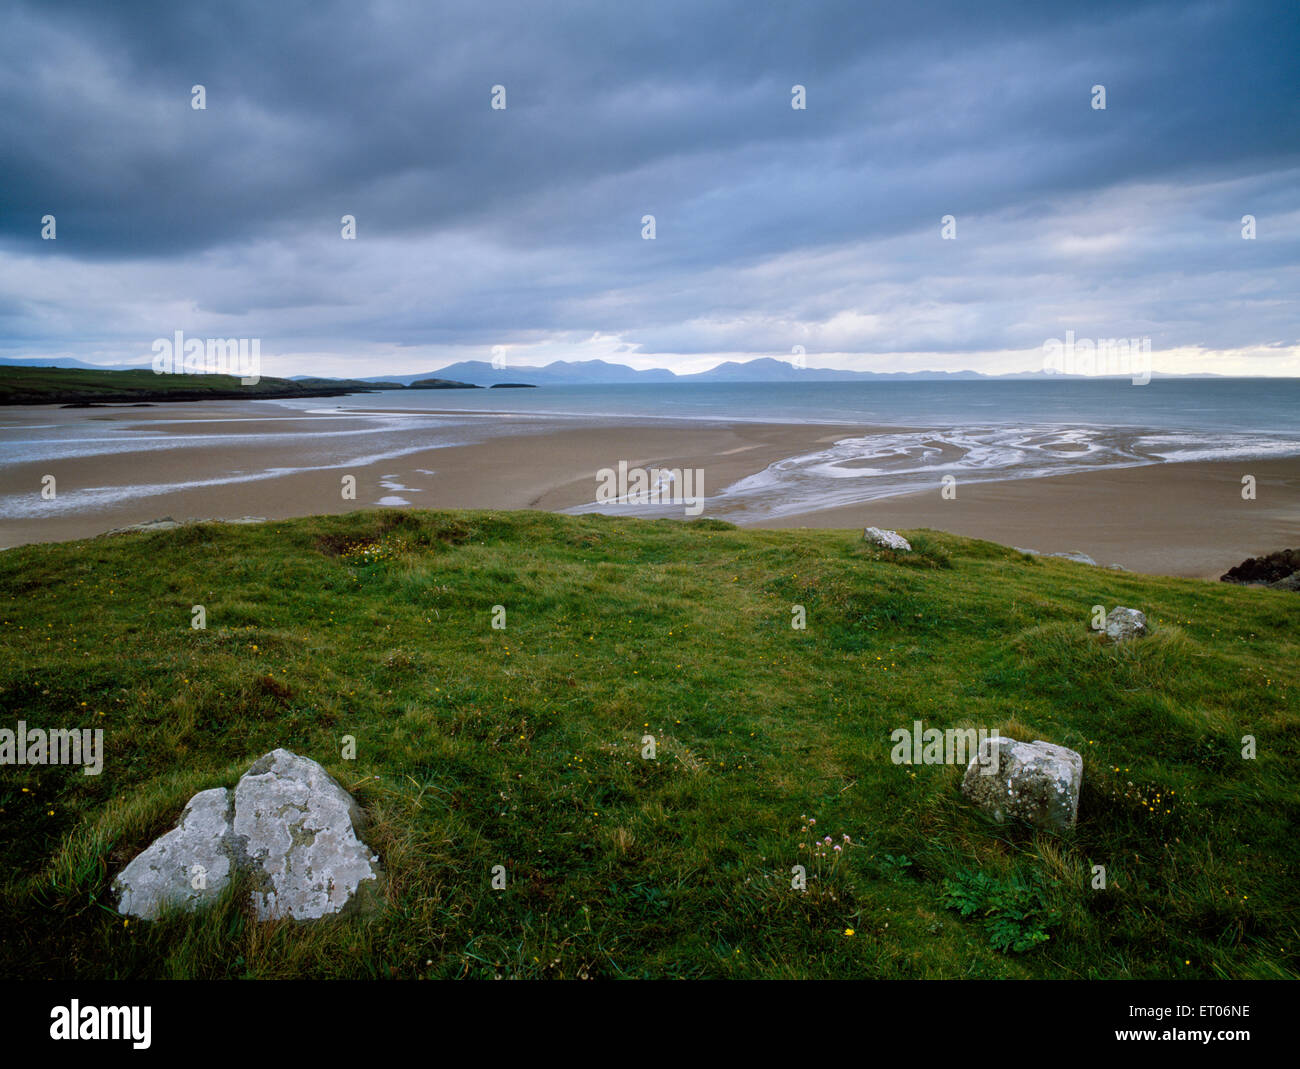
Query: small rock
1291 582
1032 782
196 851
886 539
1123 624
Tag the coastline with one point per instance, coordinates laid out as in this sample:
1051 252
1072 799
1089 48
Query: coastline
1181 519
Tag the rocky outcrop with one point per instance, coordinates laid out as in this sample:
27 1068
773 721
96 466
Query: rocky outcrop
1031 782
287 825
887 539
1267 570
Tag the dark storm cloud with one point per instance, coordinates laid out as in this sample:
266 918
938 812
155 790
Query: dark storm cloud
479 226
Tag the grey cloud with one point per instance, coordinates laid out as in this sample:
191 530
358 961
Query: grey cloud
477 226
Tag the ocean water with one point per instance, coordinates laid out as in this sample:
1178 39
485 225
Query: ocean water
1199 406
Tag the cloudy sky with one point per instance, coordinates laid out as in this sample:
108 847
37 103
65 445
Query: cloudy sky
774 226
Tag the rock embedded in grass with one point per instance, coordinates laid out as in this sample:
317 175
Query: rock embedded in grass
1031 782
1123 624
886 539
287 825
188 867
297 828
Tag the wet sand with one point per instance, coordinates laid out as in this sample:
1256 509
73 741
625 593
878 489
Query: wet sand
1165 519
540 463
1185 519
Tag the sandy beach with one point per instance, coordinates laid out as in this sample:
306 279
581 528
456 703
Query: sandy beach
1186 519
1165 519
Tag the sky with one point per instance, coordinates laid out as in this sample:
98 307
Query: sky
517 231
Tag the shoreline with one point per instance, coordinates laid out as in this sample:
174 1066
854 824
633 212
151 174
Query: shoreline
1170 518
1183 519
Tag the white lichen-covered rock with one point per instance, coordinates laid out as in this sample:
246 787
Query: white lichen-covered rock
298 831
187 867
886 539
287 825
1123 624
1032 782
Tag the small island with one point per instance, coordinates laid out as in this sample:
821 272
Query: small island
442 384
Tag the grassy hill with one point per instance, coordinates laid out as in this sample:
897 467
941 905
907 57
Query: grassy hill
52 385
523 747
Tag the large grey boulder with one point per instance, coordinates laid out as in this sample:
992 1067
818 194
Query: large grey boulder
299 834
1123 624
187 867
1031 782
886 539
287 825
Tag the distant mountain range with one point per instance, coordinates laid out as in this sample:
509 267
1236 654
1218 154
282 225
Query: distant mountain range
763 369
601 372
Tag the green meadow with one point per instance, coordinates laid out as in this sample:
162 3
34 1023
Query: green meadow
525 747
51 385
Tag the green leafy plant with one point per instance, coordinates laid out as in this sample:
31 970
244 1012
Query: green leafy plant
894 867
1014 912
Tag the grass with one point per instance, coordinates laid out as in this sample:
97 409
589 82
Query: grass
522 747
50 385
